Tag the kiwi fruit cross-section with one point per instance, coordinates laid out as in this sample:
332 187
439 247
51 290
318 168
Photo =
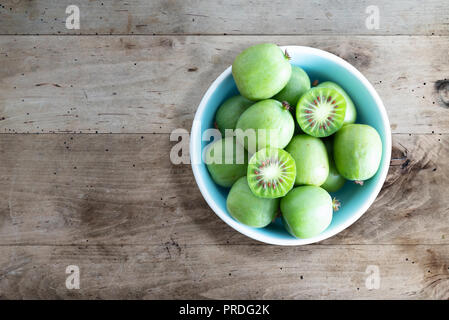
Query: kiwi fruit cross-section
351 113
321 111
271 173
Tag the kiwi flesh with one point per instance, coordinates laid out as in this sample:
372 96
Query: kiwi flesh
351 113
271 173
321 111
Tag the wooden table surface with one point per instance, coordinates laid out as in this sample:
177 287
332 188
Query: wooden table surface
85 174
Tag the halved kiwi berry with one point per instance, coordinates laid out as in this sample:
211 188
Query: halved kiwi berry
271 173
321 111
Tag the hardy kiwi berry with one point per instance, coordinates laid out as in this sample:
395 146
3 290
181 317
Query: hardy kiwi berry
271 173
267 123
306 211
334 181
298 84
321 111
351 113
312 164
261 71
357 151
230 111
226 161
250 210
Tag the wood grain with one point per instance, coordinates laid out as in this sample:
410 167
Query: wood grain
137 84
406 17
136 224
122 189
183 271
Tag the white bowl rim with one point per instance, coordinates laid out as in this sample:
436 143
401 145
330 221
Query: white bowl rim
195 147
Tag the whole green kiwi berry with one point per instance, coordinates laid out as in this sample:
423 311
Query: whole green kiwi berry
267 123
298 84
261 71
230 111
306 211
357 151
250 210
334 180
226 161
312 163
351 113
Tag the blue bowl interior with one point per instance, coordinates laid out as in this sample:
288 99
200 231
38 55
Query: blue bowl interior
351 195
